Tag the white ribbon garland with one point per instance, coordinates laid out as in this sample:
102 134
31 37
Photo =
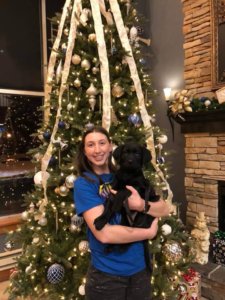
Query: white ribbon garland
71 42
137 83
104 64
52 61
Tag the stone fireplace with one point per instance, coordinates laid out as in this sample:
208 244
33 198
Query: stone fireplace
204 175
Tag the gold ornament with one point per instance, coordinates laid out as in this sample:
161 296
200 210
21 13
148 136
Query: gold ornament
63 191
181 102
92 37
77 83
76 59
92 92
117 91
85 64
172 251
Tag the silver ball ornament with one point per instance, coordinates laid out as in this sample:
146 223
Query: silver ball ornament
81 289
83 246
162 139
43 221
24 215
207 103
70 181
166 229
38 177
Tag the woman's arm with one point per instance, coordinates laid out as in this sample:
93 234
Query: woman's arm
156 209
117 234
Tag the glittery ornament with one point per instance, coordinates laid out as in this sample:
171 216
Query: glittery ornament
85 64
55 273
76 59
77 221
172 251
69 181
83 246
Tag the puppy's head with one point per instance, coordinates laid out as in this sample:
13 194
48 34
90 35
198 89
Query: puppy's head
131 156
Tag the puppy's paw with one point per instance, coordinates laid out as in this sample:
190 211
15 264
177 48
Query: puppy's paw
100 222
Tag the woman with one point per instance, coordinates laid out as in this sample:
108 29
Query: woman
114 275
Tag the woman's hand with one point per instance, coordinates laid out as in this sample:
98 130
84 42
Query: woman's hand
135 202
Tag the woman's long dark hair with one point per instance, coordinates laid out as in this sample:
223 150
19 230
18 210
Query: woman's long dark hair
82 162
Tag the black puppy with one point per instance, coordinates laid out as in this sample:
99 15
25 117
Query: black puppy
130 157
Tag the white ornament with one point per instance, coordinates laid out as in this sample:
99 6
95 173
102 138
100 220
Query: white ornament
92 92
133 34
76 59
162 139
207 103
69 106
86 13
43 221
38 177
59 71
36 240
28 269
166 229
24 215
95 70
81 290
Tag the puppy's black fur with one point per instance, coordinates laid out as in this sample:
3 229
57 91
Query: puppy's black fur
131 157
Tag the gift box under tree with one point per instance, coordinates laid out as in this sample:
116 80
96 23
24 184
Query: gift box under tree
219 247
190 287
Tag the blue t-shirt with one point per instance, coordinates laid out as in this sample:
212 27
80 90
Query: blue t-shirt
125 263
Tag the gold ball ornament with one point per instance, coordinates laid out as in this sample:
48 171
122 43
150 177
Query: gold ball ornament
85 64
172 251
63 191
92 37
70 181
95 70
77 83
117 91
76 59
36 240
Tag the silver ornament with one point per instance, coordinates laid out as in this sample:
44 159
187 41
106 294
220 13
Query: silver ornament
76 59
77 221
85 64
70 181
59 72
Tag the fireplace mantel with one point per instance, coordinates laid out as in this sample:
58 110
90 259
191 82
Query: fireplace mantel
202 121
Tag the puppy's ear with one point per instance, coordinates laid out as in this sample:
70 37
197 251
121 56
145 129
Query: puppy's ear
117 153
146 155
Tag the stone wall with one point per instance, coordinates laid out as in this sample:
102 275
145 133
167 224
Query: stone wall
197 29
205 166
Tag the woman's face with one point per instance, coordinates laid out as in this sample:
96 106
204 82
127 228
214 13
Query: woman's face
97 149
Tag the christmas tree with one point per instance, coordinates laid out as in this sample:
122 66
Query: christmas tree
97 74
